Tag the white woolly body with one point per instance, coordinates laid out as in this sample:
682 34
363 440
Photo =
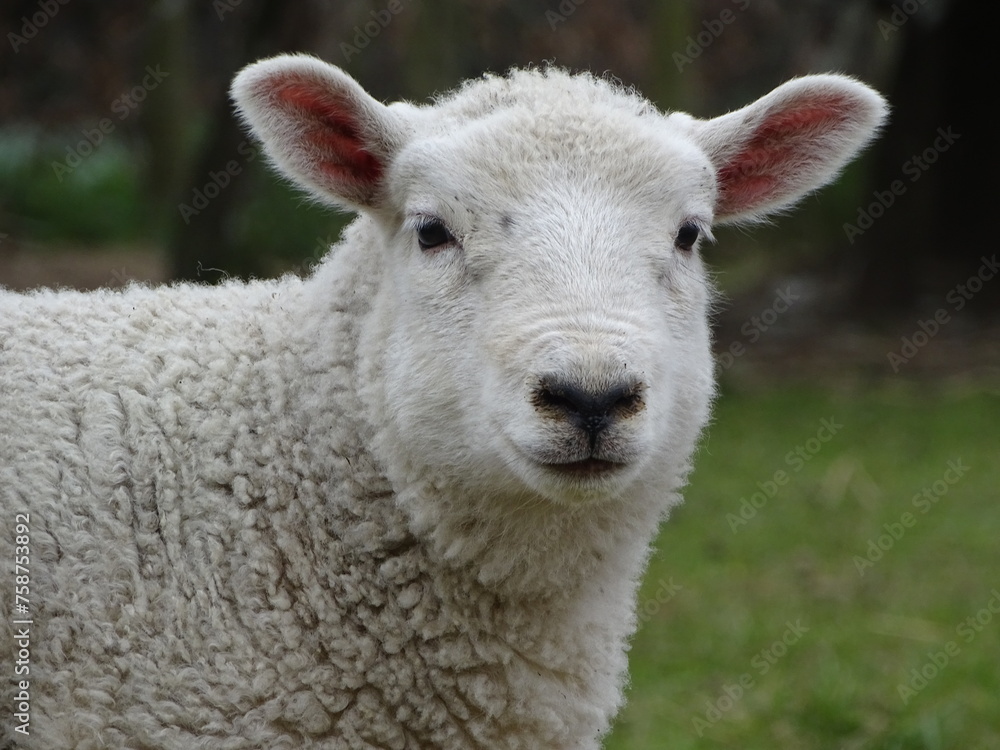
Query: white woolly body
359 510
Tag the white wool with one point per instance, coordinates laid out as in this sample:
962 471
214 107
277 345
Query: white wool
406 502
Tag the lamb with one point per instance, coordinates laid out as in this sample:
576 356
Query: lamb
405 502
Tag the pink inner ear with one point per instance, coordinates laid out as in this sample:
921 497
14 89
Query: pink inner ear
334 136
781 144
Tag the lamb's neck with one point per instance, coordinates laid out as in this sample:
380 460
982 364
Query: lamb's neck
534 549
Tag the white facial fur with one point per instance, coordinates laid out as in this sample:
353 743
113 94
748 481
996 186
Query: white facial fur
555 343
563 270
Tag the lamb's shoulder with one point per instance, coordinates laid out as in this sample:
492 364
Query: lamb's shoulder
152 339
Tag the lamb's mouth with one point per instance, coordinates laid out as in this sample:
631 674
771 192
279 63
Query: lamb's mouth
586 468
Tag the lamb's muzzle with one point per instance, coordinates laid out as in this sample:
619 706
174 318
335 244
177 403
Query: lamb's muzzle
589 410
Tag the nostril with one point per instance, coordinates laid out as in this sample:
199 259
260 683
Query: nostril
562 396
591 409
628 400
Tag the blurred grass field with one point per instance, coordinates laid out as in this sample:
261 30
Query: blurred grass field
765 634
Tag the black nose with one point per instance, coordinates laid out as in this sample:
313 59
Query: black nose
590 410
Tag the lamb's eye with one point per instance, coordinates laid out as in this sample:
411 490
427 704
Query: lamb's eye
432 233
687 235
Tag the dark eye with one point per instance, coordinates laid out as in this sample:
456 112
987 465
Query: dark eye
687 235
432 233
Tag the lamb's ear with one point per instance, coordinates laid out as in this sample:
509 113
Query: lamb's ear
319 127
788 143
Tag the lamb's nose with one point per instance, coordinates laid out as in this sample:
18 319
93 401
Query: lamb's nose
590 410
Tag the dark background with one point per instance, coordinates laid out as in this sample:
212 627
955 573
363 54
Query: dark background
118 213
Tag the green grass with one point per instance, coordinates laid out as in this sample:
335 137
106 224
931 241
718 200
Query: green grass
837 684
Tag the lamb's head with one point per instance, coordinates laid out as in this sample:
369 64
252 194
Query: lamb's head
543 306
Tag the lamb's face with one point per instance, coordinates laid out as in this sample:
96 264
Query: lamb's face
549 304
540 327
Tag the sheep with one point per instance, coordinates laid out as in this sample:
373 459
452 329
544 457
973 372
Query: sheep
404 502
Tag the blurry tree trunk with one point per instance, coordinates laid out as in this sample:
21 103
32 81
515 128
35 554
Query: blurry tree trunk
169 118
201 210
940 152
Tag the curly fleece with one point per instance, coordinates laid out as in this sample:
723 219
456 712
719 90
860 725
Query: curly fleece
216 560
